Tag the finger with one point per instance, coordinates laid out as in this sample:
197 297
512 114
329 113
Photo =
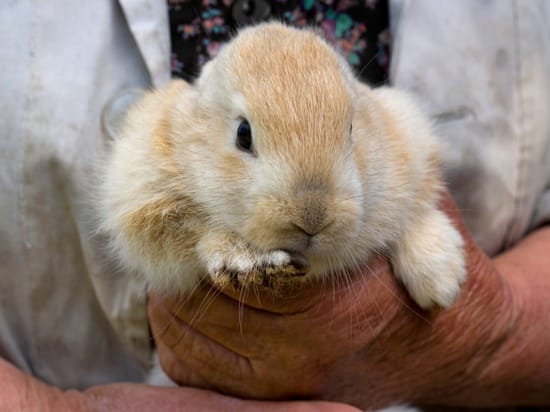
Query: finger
289 297
188 344
222 319
138 397
192 358
177 371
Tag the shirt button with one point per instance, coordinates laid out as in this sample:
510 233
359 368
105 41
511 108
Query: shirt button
115 110
247 12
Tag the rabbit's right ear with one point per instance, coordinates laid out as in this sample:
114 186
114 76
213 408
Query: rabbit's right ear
116 109
205 74
208 84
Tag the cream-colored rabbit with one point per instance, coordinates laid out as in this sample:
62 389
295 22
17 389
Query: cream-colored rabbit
279 158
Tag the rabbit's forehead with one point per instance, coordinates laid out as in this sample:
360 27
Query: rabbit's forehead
293 80
299 110
289 64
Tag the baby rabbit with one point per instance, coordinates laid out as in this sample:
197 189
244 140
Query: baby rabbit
278 158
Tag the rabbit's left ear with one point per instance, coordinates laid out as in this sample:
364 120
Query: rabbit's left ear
116 109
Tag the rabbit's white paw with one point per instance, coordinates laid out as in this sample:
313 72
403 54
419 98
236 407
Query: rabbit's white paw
429 260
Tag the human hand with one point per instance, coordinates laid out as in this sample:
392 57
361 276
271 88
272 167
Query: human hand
19 391
362 341
139 397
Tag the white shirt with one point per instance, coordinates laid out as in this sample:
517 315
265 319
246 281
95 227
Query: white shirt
482 71
67 315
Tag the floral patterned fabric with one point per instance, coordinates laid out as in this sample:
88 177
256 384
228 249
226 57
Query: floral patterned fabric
359 29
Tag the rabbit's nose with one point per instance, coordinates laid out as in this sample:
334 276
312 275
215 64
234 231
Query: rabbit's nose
310 214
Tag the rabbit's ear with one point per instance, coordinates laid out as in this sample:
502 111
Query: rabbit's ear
116 109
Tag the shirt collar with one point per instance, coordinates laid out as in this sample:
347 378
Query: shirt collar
148 22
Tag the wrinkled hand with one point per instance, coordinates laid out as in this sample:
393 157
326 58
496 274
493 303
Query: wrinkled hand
22 392
137 397
268 347
361 341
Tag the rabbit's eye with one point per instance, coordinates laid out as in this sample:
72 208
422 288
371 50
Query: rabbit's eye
244 137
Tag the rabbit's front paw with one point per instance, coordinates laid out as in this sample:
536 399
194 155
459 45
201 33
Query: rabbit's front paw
429 260
228 259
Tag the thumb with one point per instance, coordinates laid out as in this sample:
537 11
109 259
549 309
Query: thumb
139 397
